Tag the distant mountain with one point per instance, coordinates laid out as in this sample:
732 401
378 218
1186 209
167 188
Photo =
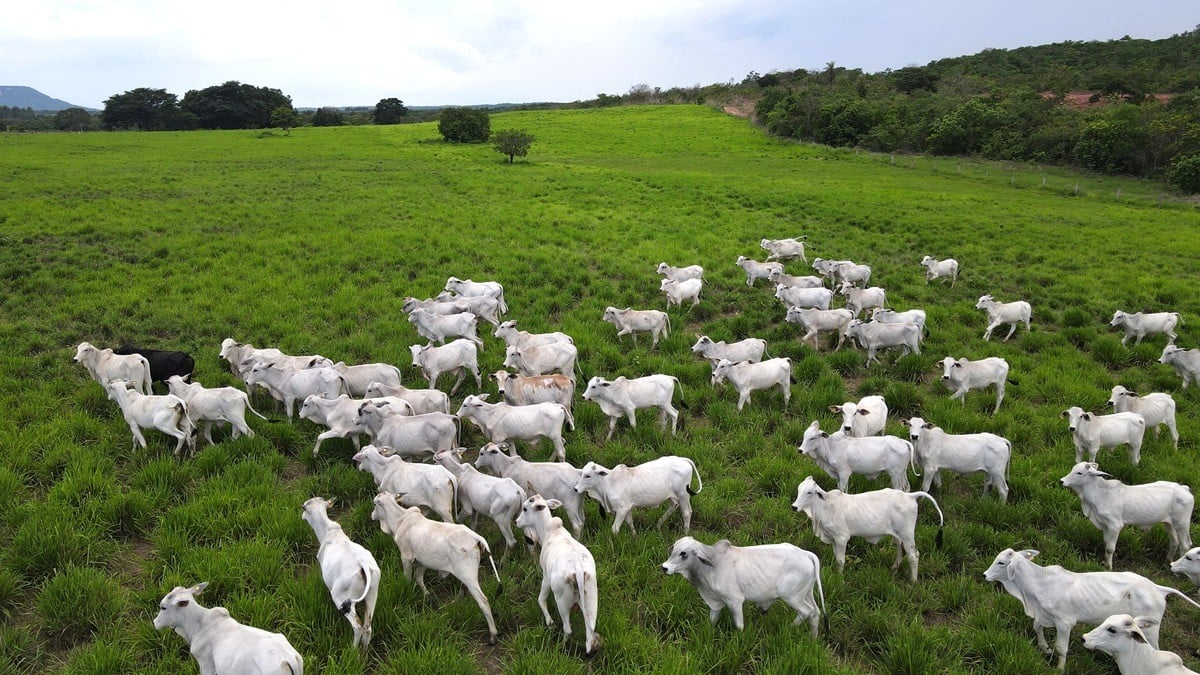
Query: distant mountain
28 97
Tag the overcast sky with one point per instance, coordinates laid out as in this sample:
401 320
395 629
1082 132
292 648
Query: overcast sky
433 52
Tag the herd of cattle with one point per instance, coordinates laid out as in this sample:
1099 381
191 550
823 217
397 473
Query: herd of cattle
403 424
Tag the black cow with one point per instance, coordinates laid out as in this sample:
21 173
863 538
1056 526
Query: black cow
163 364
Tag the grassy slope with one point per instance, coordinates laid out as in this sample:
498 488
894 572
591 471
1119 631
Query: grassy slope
309 242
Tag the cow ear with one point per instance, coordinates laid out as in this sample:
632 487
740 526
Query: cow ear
834 408
820 495
927 425
199 588
863 411
1136 635
904 422
824 434
1029 553
1064 414
704 560
553 503
602 472
483 396
1087 416
182 602
1145 622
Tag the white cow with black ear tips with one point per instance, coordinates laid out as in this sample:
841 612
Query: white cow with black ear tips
349 570
1121 637
868 417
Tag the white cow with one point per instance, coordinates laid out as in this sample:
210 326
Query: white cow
1186 363
804 298
963 375
443 547
514 337
1111 505
1188 565
460 357
350 571
875 336
1140 325
483 307
568 569
748 377
290 384
750 349
219 643
816 321
1157 408
451 305
504 423
498 498
784 279
555 480
860 299
623 396
1091 432
487 289
104 366
214 406
827 268
1121 637
783 249
1004 313
421 400
531 389
633 321
428 485
167 413
622 488
359 377
757 270
884 315
438 327
340 415
962 453
935 269
841 455
728 576
836 516
680 273
243 357
847 271
868 417
678 291
1057 598
558 357
408 436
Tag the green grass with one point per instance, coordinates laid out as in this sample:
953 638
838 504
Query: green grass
310 242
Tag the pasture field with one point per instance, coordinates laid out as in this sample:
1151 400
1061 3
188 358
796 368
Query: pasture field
309 243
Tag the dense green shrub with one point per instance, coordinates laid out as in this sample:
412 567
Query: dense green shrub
465 125
1185 174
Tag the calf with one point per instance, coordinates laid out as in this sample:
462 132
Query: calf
622 488
105 366
1121 637
167 413
438 327
1186 363
837 516
884 315
219 643
568 568
219 405
850 272
1140 325
633 321
782 279
963 375
428 485
460 356
163 364
514 337
875 336
349 570
841 455
783 249
528 390
678 291
935 450
497 498
827 268
504 423
1111 505
816 321
487 289
859 299
868 417
804 298
748 377
1157 409
421 400
624 396
757 270
359 377
443 547
289 384
1091 432
935 269
408 436
1189 565
1057 598
554 479
680 273
483 307
558 357
1004 313
728 576
750 349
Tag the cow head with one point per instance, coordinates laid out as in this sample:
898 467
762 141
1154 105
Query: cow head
684 555
506 328
1118 318
1114 635
812 438
536 511
721 371
1074 414
596 387
915 426
948 365
1002 568
176 603
590 477
806 493
1189 565
1168 354
985 301
702 344
1118 393
1082 474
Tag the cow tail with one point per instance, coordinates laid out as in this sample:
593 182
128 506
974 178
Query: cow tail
912 457
1178 317
454 497
570 417
941 518
503 304
251 408
682 403
699 481
816 561
483 548
146 380
1167 591
668 333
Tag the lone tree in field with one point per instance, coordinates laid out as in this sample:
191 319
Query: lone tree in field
285 118
465 125
513 142
389 111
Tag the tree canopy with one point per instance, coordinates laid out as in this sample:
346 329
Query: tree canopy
234 105
465 125
513 142
144 109
328 117
390 111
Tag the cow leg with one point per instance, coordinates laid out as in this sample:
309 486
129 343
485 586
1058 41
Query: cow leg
839 553
1001 485
1062 637
355 625
208 425
913 557
743 398
786 389
987 334
542 595
1111 534
560 451
622 515
612 425
899 553
462 375
927 479
673 504
674 419
1173 538
138 438
1011 329
470 579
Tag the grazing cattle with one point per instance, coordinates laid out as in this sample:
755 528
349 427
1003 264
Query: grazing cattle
678 291
841 455
428 485
1186 363
680 273
105 366
482 306
784 279
783 249
555 480
1189 565
349 570
1139 325
497 498
289 384
222 645
935 269
1111 505
568 569
750 349
757 270
408 436
804 298
1004 313
850 272
460 357
438 327
167 413
558 357
963 375
836 516
816 321
449 548
827 268
748 377
633 321
622 488
868 417
214 406
623 396
860 299
359 377
875 336
473 289
728 576
504 423
514 337
1121 637
163 364
1157 409
1057 598
1091 432
884 315
531 389
962 453
421 400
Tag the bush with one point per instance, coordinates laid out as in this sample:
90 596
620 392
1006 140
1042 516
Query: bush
465 125
328 117
513 142
1185 174
80 601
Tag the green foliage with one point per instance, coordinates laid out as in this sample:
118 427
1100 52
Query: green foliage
144 109
234 105
75 119
389 111
513 142
78 601
284 117
464 125
1185 174
328 117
